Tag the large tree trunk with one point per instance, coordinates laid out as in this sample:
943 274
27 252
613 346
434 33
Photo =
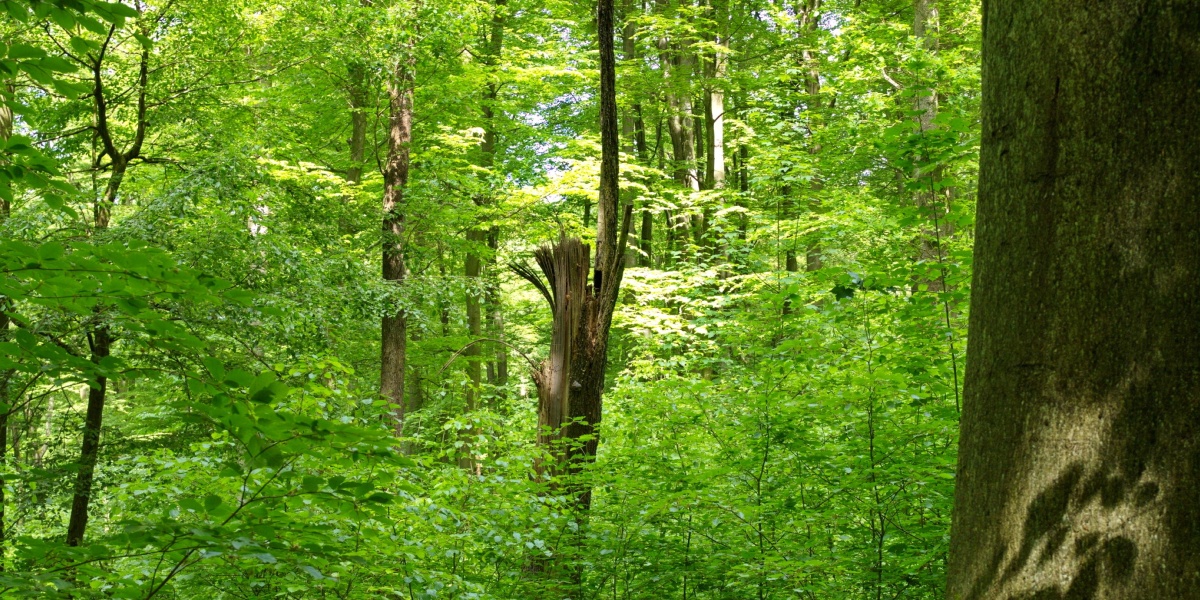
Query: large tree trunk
395 180
570 382
1079 463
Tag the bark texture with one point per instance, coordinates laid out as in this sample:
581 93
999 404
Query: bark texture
395 179
570 382
358 97
1079 464
6 403
100 336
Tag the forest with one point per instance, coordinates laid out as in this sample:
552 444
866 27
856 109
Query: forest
604 300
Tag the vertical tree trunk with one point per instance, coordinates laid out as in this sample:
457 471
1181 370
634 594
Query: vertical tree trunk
925 28
925 24
743 174
100 336
570 382
810 25
395 179
714 109
6 403
1079 463
497 369
647 239
474 322
358 121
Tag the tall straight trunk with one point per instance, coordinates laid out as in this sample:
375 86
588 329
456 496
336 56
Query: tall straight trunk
680 128
715 158
629 127
809 26
100 336
925 24
714 112
646 239
1079 463
570 381
741 173
677 66
6 403
632 137
925 27
358 121
474 321
497 369
500 377
395 180
639 128
714 95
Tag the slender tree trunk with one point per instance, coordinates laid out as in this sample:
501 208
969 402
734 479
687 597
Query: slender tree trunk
925 28
6 403
647 239
100 336
1079 463
358 121
925 24
395 180
743 170
810 25
714 109
497 369
474 322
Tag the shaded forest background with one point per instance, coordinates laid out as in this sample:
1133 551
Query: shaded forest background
191 200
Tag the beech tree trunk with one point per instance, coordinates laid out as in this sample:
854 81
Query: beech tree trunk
395 179
1079 461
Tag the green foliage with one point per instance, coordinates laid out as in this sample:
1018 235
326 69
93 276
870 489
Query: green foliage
770 430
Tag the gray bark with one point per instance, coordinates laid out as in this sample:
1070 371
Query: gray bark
1079 463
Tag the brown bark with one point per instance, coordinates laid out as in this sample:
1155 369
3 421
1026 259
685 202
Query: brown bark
100 336
395 180
1079 463
647 239
6 403
925 27
358 121
570 382
474 322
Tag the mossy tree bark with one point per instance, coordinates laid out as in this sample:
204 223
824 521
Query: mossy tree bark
1079 464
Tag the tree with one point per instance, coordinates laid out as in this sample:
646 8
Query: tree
394 337
1078 471
570 382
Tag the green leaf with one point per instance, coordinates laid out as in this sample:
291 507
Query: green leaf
214 367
